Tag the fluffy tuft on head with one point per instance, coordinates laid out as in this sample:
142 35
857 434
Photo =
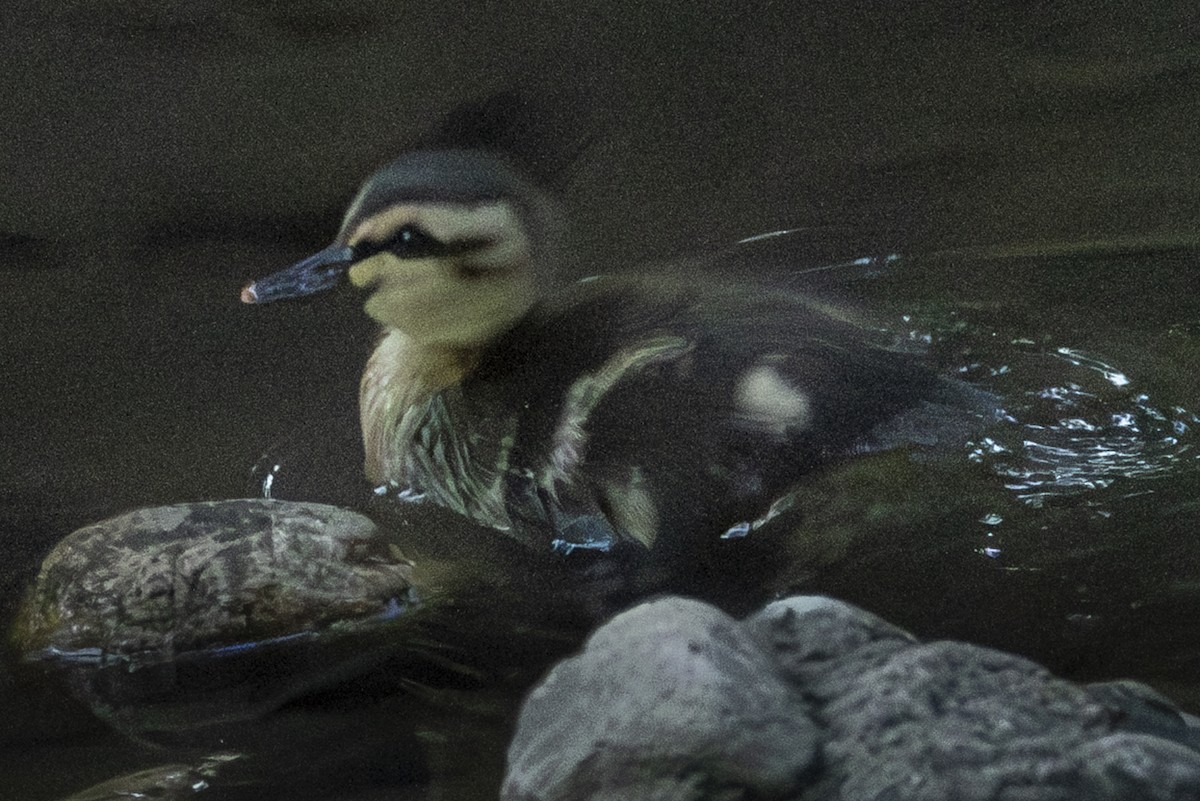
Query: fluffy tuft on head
543 136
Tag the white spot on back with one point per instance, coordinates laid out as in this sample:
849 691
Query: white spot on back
765 399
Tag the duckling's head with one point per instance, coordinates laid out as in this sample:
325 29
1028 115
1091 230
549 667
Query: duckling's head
453 247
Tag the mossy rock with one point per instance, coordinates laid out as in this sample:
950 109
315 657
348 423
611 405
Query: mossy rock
150 584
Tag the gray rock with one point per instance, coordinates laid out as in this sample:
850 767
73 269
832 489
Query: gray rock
897 720
950 720
670 700
821 644
1143 710
1135 766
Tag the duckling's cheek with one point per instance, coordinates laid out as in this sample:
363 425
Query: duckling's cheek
380 310
364 274
397 287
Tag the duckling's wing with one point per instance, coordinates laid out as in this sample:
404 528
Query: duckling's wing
860 396
643 412
707 412
945 418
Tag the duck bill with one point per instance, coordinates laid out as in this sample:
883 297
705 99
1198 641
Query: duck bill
319 272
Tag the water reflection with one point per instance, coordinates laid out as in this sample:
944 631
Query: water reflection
1078 439
1073 420
1064 530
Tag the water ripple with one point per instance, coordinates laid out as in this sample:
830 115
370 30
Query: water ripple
1073 421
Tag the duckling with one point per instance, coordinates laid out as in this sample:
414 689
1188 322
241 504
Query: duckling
641 410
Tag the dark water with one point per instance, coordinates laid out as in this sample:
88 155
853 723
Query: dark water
154 158
1065 530
1089 544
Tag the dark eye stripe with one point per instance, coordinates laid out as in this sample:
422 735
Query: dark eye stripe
411 242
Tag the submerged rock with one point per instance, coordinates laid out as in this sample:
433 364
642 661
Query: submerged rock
180 617
154 583
890 717
171 782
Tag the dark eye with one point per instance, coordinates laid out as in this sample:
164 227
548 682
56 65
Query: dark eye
410 242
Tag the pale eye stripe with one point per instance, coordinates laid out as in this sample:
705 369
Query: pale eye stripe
446 222
570 438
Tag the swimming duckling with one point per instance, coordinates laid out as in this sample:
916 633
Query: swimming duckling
651 410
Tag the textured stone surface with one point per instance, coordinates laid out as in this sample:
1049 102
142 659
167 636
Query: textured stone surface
820 644
893 719
970 722
670 700
160 581
173 782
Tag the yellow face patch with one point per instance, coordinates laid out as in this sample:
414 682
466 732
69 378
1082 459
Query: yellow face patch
365 273
437 302
480 284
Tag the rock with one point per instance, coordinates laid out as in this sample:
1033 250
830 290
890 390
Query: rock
820 643
1141 709
151 584
172 782
670 700
971 722
1133 766
177 618
892 718
951 720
